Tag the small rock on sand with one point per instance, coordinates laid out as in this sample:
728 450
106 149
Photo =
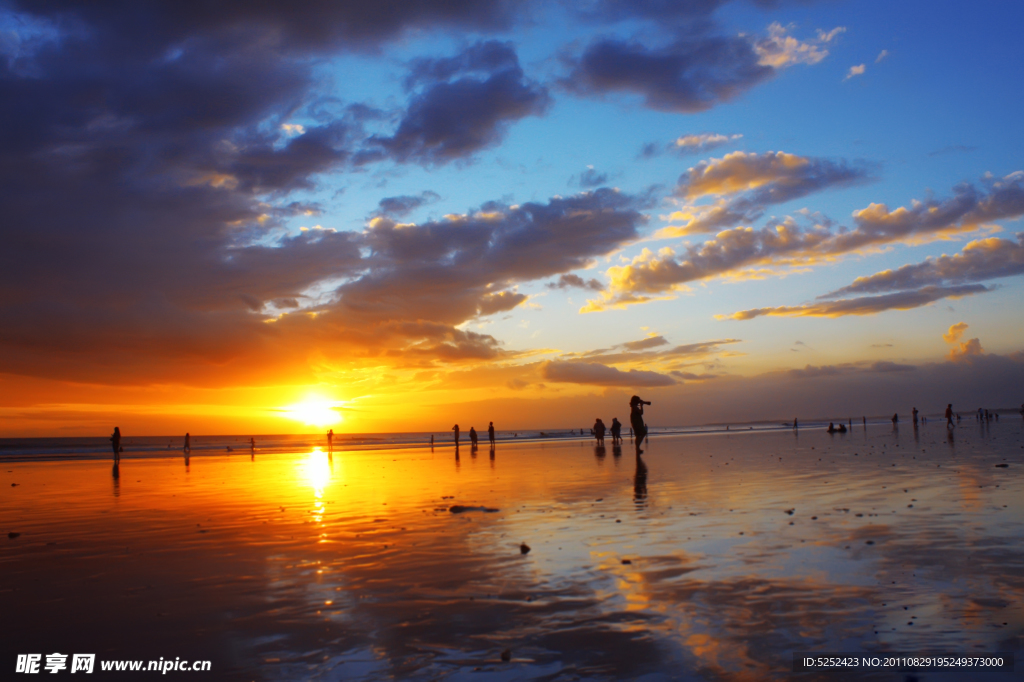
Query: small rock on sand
13 535
1002 466
458 509
524 548
506 655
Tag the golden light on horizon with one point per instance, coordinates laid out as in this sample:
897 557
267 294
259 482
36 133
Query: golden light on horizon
315 412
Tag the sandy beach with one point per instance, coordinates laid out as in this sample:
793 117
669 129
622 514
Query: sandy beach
714 558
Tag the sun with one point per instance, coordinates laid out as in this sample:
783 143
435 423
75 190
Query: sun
315 412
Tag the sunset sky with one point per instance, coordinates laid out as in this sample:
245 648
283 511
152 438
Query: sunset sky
394 216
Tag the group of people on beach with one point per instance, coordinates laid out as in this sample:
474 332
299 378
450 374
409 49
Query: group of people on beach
473 438
637 431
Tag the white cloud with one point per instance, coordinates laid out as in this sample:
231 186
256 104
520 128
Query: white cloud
881 55
780 50
855 71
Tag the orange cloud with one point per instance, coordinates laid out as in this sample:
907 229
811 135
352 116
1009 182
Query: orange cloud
955 332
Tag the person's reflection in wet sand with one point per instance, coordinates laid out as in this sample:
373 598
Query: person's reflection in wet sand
949 437
640 483
116 473
617 451
600 453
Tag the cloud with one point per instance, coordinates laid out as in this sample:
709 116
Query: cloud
644 344
465 105
578 372
591 178
500 302
881 55
696 144
966 350
780 50
955 332
747 183
770 178
814 372
785 244
688 76
865 305
575 281
962 350
403 205
857 70
980 260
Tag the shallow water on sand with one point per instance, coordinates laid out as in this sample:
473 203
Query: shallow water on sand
715 557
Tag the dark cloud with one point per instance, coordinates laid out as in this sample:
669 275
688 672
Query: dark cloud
981 260
575 281
812 371
578 372
688 76
466 104
404 205
864 305
644 344
314 26
591 178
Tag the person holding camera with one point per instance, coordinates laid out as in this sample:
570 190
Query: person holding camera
636 420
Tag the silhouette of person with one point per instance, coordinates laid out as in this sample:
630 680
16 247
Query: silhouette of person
599 431
895 418
915 415
949 415
188 444
330 441
490 432
472 436
431 441
616 431
795 424
831 428
842 428
456 430
636 419
252 444
115 443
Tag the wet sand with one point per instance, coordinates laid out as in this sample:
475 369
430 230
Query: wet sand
715 558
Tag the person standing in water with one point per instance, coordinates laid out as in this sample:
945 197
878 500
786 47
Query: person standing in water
949 416
330 442
636 420
188 444
490 433
115 443
456 430
472 436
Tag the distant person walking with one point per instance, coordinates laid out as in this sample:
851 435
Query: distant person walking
636 419
895 418
599 431
188 444
949 416
472 436
330 442
795 424
456 430
115 443
490 432
915 416
616 430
